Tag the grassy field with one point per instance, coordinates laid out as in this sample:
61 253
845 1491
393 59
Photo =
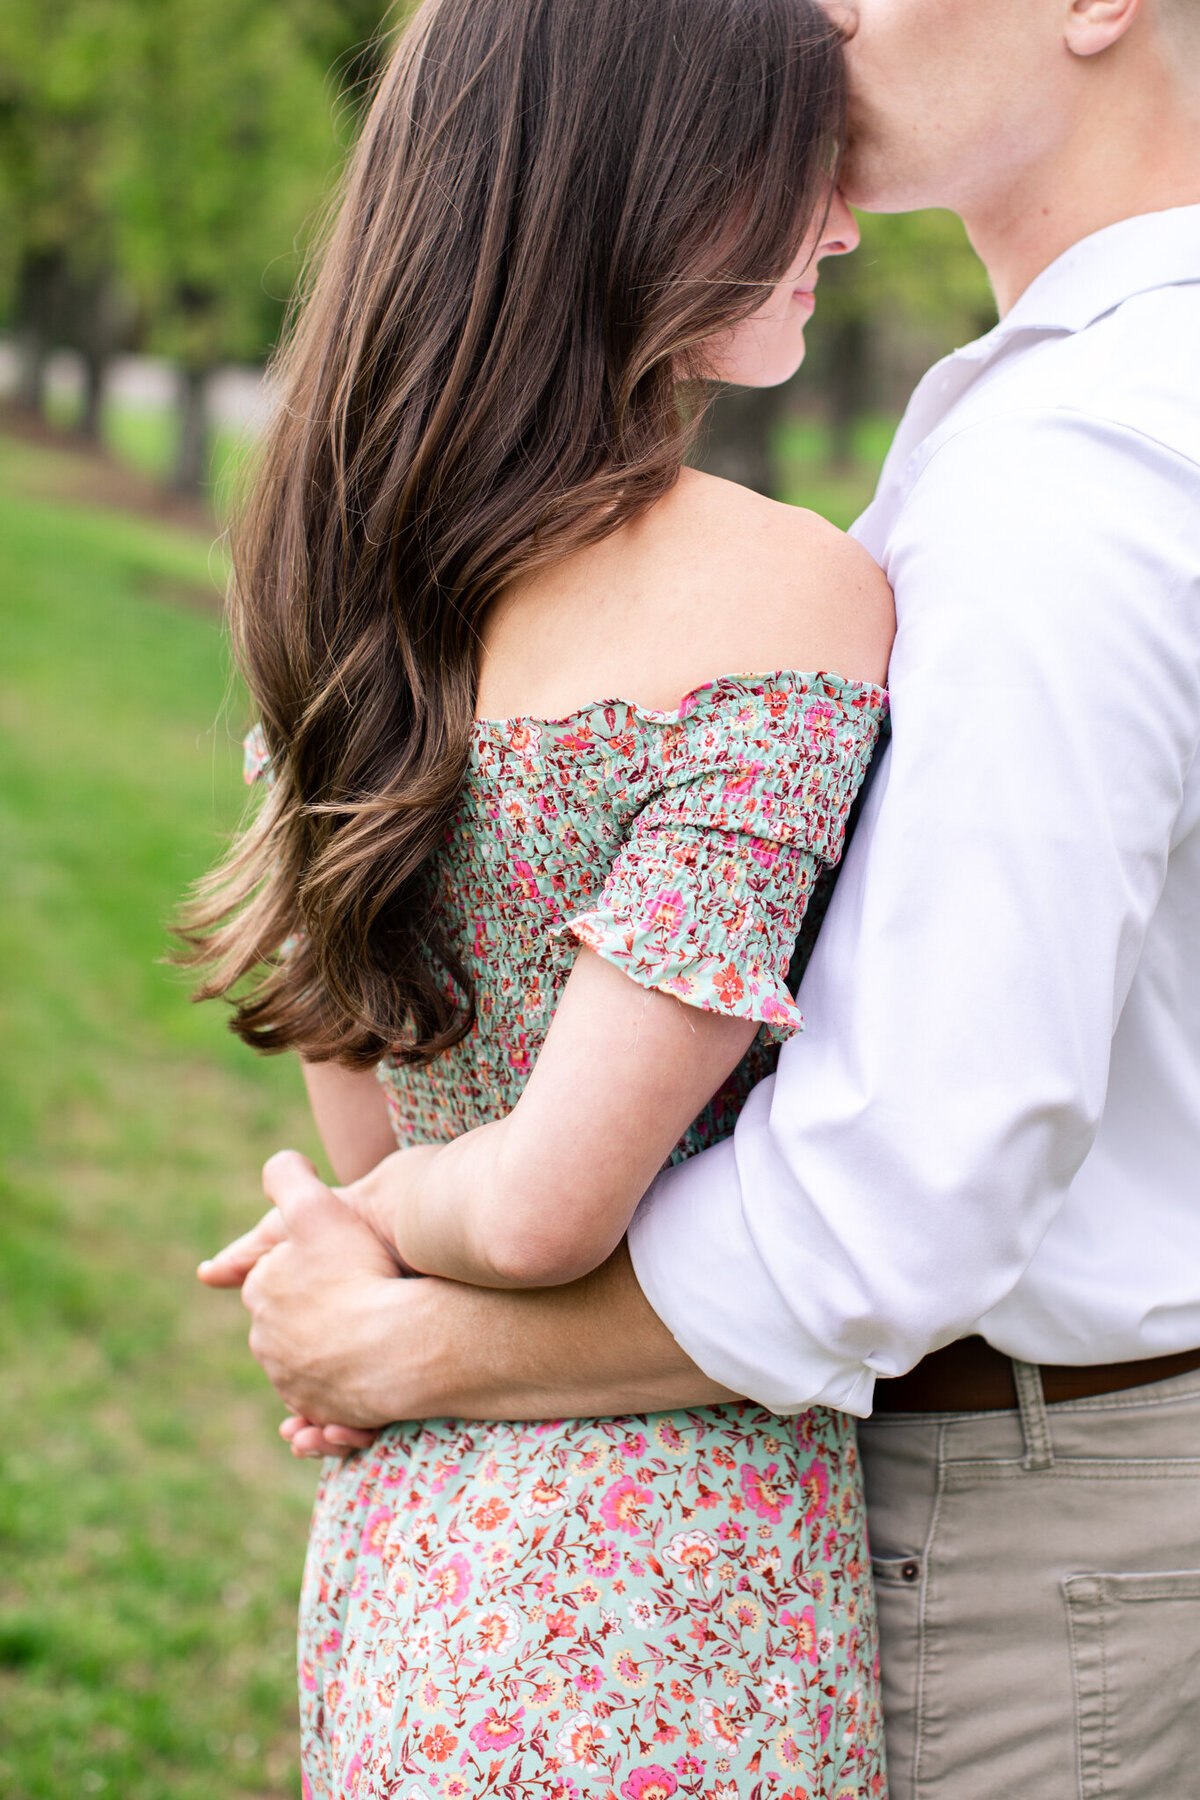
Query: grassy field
151 1526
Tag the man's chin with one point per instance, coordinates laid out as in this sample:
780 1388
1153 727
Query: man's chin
869 184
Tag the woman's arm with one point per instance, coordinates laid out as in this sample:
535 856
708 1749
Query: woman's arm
351 1115
543 1195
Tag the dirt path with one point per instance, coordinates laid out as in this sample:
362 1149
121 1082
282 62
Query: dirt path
93 476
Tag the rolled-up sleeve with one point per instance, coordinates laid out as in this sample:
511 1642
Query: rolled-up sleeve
891 1183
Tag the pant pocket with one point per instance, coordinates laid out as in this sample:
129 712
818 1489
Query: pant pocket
1135 1651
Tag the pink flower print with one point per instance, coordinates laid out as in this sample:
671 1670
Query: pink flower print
439 1744
562 1788
719 1725
738 784
498 1628
688 1767
635 1445
544 1497
450 1580
496 1730
729 985
669 1438
525 738
492 1513
375 1532
623 1506
352 1778
694 1551
774 1011
824 1721
588 1680
307 1676
580 1741
818 722
524 881
650 1783
665 911
765 853
814 1485
761 1493
800 1634
605 1559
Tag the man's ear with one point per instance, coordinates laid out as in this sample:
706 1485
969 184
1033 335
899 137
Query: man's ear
1095 25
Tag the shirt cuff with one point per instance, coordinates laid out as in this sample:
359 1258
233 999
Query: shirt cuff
699 1268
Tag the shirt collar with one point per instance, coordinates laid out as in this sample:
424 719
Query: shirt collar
1153 250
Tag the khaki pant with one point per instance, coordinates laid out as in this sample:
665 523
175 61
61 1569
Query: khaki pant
1038 1576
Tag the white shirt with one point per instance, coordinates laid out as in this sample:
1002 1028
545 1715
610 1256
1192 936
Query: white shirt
992 1122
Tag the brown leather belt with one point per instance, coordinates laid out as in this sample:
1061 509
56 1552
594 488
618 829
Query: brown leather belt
972 1377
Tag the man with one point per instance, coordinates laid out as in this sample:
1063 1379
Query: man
991 1132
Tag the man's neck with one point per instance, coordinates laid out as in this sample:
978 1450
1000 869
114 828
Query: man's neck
1139 157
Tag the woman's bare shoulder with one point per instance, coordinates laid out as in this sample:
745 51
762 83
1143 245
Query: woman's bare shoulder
782 582
712 580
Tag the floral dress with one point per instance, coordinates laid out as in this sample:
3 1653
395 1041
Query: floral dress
644 1607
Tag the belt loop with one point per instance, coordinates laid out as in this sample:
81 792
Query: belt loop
1035 1426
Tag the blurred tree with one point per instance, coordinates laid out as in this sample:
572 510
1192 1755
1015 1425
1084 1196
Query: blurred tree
59 87
159 164
230 145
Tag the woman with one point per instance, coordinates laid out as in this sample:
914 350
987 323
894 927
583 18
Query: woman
537 850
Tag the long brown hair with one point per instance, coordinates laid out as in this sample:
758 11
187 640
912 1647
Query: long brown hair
553 204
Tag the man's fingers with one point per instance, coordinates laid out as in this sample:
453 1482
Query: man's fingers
230 1266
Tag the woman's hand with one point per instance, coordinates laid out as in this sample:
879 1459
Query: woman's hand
230 1266
307 1439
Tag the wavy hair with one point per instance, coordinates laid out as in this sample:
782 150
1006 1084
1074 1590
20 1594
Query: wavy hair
552 206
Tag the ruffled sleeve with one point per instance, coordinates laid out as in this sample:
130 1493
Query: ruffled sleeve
707 894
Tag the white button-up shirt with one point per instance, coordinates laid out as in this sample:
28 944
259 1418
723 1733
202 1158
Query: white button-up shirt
992 1123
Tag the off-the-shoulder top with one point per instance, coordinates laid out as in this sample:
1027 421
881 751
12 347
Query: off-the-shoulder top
682 846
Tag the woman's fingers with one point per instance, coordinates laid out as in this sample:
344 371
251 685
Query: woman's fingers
307 1439
230 1266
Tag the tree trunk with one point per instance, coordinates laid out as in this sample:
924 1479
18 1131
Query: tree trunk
191 457
94 369
33 352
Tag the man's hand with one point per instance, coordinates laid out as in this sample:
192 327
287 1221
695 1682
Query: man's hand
313 1296
344 1339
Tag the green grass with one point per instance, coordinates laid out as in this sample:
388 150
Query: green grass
151 1526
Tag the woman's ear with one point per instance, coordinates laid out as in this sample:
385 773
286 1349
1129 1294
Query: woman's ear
1095 25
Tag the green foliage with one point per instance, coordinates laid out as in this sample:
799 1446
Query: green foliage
179 151
151 1526
228 145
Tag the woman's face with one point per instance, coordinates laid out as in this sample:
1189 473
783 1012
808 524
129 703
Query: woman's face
768 347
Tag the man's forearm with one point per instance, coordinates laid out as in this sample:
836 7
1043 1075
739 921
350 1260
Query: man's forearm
591 1349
